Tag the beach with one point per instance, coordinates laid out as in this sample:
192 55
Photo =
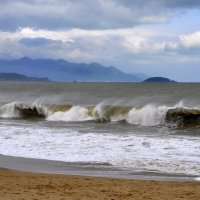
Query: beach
33 179
99 100
32 186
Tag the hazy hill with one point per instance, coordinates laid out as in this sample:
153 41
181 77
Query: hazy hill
141 76
61 70
19 77
159 80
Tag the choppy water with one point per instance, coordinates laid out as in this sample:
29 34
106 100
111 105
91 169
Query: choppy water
136 127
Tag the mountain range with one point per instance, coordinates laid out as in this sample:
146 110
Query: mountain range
19 77
64 71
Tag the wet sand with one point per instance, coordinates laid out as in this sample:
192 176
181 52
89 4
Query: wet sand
16 185
33 179
59 167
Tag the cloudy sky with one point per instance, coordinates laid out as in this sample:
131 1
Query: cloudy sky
156 37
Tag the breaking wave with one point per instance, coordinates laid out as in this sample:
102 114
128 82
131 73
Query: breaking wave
149 115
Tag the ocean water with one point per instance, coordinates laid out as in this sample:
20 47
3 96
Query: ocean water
137 127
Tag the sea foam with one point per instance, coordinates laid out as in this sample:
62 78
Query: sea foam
148 115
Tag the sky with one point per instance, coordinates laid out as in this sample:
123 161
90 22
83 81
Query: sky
155 37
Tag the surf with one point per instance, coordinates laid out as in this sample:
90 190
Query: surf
148 115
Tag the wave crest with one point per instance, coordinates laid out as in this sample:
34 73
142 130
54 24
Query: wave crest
75 113
149 115
183 116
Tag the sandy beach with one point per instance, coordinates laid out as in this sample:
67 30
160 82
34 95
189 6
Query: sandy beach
16 185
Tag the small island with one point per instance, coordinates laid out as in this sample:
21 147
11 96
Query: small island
158 80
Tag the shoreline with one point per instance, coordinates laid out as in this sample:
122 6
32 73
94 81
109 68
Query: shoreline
53 180
38 186
82 169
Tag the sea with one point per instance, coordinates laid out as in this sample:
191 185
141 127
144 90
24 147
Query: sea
139 128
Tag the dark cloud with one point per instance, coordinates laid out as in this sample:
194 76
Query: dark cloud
161 3
36 42
181 3
87 14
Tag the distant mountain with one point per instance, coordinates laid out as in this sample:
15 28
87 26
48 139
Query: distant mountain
159 80
19 77
63 71
141 76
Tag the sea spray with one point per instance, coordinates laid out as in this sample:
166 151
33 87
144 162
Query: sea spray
76 113
197 179
104 113
148 115
9 110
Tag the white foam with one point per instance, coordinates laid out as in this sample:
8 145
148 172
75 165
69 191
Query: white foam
76 113
9 111
117 118
148 115
42 109
99 112
197 179
169 154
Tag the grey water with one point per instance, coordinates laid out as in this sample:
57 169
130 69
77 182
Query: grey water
137 141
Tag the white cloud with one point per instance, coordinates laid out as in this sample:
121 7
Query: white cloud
76 33
137 45
154 19
190 40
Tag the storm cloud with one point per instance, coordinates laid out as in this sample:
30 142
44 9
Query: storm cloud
87 14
